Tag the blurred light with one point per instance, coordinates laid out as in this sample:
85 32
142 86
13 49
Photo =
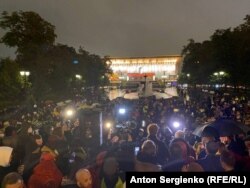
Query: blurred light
176 110
176 124
143 123
75 62
69 113
122 111
24 73
78 76
108 125
217 86
221 73
216 74
188 75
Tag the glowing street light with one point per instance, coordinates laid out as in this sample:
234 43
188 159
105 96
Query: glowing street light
24 73
108 125
78 76
221 73
216 74
188 75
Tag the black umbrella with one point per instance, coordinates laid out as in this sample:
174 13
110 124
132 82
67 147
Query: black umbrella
225 127
206 130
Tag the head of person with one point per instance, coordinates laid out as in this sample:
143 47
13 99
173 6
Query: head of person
247 142
192 167
10 131
179 134
148 147
152 129
227 160
13 180
84 178
212 147
110 167
38 140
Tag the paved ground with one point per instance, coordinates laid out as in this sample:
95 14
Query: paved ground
168 93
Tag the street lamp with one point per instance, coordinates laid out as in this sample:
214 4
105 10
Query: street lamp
78 76
221 73
216 74
188 75
25 74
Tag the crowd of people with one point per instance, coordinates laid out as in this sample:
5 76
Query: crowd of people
42 148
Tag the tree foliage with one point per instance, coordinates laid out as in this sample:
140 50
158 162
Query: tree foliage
227 50
52 66
26 31
10 82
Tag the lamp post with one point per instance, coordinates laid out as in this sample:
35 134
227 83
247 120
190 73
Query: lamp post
25 75
219 76
78 76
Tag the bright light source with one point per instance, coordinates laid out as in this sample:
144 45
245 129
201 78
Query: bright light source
108 125
221 73
217 86
122 111
78 76
24 73
69 113
176 124
143 123
216 74
188 75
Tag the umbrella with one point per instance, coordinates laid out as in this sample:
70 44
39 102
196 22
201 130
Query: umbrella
228 127
198 130
206 130
224 127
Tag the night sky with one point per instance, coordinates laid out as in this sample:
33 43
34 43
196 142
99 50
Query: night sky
124 28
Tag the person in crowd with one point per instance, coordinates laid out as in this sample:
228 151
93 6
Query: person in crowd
227 160
13 180
198 146
162 151
207 135
10 137
146 158
179 155
247 144
111 177
211 162
234 144
46 174
192 167
84 178
148 152
179 134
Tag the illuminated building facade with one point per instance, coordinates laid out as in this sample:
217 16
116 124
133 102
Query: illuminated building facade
164 68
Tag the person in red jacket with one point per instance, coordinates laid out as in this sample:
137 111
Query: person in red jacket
46 174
